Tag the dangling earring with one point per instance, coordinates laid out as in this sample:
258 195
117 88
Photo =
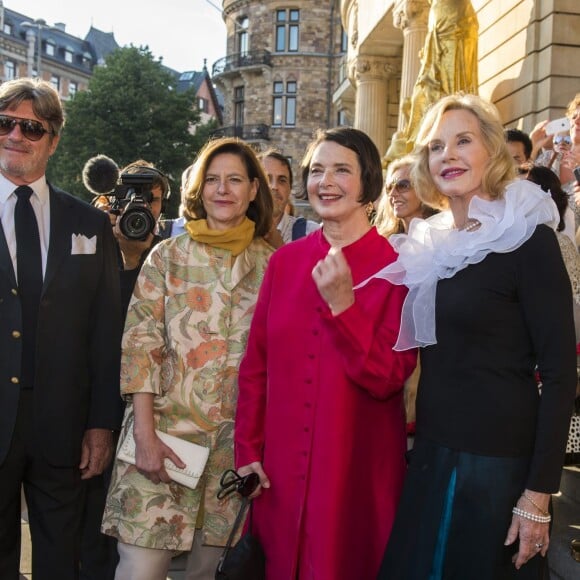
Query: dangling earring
371 212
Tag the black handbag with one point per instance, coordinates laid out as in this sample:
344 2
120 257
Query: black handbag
245 560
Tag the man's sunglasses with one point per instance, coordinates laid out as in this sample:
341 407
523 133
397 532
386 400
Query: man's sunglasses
401 185
31 129
232 481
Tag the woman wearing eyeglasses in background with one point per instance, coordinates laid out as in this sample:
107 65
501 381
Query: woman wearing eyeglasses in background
320 415
185 333
565 155
398 205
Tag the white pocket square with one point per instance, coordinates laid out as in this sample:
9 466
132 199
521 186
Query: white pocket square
80 244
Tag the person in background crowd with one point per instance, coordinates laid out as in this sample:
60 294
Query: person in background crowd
185 333
561 157
520 148
400 203
60 315
320 415
279 172
550 183
483 323
397 207
99 555
175 227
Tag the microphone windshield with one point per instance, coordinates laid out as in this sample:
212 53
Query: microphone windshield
100 174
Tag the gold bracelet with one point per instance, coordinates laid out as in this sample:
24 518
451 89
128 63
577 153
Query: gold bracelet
543 512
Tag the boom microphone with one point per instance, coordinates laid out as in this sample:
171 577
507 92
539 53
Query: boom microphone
100 174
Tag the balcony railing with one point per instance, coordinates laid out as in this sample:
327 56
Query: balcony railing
245 132
240 60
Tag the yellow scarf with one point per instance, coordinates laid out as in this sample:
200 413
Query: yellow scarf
236 240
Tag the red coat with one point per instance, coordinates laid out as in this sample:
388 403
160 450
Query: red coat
320 404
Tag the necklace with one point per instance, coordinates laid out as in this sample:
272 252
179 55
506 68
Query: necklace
470 225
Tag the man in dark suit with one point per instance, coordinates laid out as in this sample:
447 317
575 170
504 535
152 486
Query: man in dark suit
60 325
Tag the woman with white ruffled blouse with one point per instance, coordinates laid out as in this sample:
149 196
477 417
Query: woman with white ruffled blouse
489 299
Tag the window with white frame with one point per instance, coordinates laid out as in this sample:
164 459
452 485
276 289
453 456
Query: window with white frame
202 104
55 82
243 25
284 104
9 70
287 30
50 48
68 55
73 88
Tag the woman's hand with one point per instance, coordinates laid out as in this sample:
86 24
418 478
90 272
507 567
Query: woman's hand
256 467
540 140
150 454
534 537
333 279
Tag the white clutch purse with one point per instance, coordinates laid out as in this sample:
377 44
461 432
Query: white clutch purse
194 456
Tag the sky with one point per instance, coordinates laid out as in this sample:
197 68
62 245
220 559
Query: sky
183 32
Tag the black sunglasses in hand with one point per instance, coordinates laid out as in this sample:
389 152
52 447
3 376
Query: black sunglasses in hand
232 481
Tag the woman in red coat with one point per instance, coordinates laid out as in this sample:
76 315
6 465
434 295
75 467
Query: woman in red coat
320 416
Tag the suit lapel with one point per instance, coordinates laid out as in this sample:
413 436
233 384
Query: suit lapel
6 265
62 224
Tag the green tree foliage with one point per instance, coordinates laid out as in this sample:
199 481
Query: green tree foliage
130 111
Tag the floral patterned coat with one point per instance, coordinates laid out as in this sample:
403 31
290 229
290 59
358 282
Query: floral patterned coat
185 333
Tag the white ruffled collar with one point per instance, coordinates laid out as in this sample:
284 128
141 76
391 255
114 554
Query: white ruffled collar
434 250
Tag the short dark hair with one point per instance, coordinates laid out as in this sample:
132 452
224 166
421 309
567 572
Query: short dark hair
550 183
260 209
142 167
517 136
367 154
45 100
279 156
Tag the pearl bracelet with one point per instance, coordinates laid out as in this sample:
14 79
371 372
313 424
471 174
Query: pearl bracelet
532 517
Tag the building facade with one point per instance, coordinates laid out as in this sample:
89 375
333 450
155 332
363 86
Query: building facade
279 72
290 68
30 47
209 101
528 52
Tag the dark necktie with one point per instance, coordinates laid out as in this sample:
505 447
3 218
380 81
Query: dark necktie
29 266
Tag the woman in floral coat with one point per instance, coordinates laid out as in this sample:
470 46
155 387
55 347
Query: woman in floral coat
185 333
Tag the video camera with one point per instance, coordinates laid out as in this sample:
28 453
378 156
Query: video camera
131 200
129 193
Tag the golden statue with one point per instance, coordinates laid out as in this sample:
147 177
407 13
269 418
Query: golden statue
448 64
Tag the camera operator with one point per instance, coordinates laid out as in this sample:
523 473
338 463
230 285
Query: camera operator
133 251
99 552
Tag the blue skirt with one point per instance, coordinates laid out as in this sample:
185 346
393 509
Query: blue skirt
453 518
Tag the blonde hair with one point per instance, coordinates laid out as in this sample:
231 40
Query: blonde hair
572 106
386 222
500 169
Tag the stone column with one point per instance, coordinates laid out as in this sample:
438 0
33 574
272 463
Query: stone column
411 17
370 75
